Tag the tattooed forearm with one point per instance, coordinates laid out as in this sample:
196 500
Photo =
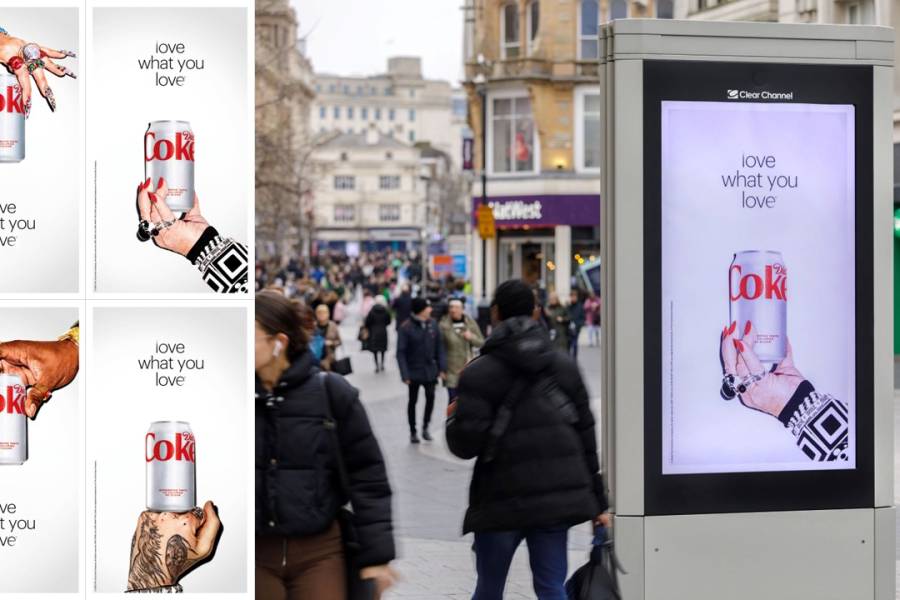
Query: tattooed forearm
177 560
146 557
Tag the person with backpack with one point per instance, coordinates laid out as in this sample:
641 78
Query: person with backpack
315 452
522 408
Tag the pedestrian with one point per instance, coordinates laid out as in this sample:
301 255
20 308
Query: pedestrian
402 305
523 411
559 322
367 303
421 357
299 547
376 325
326 338
576 321
592 319
461 335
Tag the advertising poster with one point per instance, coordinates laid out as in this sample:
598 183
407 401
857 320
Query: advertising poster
41 484
174 103
168 449
758 313
41 149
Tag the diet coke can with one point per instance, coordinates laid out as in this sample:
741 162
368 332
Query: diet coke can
169 153
12 119
13 423
171 473
757 282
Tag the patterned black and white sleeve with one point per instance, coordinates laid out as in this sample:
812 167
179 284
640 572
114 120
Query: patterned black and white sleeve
222 262
819 422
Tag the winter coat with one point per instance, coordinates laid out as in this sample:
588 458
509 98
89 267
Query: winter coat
332 334
576 315
402 306
376 323
459 349
297 489
420 352
559 326
545 471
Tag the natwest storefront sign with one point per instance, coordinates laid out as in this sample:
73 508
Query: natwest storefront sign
543 210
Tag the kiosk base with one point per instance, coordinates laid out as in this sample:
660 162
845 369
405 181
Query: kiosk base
811 555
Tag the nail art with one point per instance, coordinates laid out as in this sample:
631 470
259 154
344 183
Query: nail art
153 198
738 345
145 185
724 332
161 182
66 72
747 327
28 108
51 99
68 53
731 329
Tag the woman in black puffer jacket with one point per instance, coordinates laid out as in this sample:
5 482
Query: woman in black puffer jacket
299 551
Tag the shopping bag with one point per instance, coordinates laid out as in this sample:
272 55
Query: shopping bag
596 580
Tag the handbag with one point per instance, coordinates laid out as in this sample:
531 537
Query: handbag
597 579
357 588
342 366
363 333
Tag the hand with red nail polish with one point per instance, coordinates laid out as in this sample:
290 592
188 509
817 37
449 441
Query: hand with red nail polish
182 233
25 66
771 393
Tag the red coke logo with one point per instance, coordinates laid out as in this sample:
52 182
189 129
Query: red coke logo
181 149
771 285
164 450
13 401
11 102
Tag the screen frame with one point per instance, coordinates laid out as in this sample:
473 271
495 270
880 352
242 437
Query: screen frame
766 490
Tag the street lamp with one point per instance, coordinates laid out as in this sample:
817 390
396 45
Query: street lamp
481 85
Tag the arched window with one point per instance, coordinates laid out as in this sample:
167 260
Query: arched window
509 31
534 23
588 30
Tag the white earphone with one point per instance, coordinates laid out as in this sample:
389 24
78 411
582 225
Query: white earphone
278 348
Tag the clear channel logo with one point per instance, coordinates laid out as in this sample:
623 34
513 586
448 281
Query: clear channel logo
765 95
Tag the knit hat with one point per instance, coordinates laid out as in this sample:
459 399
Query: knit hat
419 304
513 298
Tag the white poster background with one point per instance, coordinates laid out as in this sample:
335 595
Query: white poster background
47 186
704 224
123 99
47 488
124 403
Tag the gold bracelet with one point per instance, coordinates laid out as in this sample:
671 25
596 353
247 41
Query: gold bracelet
73 334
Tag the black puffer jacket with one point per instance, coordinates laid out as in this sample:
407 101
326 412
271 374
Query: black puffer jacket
297 484
545 472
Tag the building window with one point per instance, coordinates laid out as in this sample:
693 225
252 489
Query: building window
509 31
346 89
534 20
343 157
389 182
512 135
412 93
364 113
331 88
618 9
389 212
412 114
349 112
388 155
665 9
412 136
587 133
391 114
853 14
588 27
359 90
344 182
337 112
344 213
377 114
323 112
318 87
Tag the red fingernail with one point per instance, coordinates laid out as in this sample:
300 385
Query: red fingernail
724 331
747 327
160 183
738 345
145 185
731 329
152 197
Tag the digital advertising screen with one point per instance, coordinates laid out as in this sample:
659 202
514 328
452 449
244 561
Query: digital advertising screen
758 238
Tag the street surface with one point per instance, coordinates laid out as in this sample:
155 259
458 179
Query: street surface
431 486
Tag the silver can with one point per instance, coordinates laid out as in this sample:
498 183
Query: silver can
13 423
12 119
757 282
169 153
170 453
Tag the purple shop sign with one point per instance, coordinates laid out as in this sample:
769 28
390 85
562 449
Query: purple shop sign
543 210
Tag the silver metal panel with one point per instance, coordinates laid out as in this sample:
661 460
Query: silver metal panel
816 555
742 29
628 288
629 540
885 553
883 217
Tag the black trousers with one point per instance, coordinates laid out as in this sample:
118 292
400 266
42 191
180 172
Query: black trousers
413 398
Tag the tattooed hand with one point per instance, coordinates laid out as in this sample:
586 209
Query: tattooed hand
166 545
